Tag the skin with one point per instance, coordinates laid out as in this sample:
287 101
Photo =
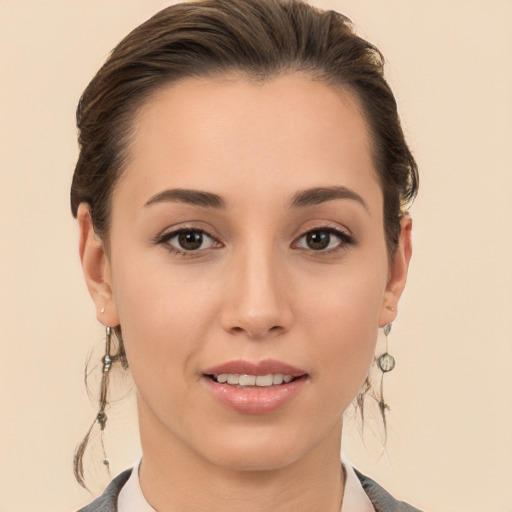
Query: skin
254 290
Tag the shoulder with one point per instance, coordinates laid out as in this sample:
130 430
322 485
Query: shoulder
380 498
107 502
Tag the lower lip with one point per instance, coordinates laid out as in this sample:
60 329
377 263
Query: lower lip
256 400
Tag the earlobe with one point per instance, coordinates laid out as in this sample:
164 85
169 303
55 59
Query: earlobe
397 273
96 269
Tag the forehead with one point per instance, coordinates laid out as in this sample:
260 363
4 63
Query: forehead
288 132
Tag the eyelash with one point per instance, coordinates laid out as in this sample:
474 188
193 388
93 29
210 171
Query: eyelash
165 238
344 239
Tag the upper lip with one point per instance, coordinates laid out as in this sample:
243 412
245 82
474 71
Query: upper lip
265 367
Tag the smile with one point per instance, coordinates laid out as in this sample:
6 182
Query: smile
255 387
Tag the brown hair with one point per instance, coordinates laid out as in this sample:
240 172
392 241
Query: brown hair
260 39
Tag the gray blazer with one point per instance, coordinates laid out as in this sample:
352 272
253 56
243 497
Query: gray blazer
381 499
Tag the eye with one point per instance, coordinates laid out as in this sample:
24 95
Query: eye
188 240
324 239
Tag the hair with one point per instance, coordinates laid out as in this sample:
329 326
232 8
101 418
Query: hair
259 39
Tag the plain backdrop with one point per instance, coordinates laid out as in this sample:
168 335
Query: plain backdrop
449 446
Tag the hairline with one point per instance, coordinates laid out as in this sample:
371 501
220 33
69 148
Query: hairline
346 90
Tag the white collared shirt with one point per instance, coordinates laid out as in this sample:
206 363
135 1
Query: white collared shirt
131 497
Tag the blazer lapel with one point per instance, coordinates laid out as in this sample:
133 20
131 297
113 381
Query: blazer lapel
107 502
380 498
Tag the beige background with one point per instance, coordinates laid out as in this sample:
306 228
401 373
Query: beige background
450 433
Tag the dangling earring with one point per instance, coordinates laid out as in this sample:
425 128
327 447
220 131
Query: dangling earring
386 363
101 418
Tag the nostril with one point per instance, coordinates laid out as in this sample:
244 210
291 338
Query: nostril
268 319
256 332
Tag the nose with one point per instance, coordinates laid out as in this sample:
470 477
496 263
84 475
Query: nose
256 301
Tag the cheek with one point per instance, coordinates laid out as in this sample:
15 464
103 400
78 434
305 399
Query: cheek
163 313
341 316
347 298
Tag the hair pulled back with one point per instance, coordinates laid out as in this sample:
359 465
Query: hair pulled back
259 39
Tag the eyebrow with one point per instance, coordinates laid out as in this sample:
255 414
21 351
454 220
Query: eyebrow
302 199
318 195
182 195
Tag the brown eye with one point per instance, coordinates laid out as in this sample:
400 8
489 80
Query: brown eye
318 240
190 240
324 240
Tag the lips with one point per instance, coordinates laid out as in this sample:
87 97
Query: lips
254 387
243 367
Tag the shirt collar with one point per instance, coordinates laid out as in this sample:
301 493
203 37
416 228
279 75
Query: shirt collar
131 498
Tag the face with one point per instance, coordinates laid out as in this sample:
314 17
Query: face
246 240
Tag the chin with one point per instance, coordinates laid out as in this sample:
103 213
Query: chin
251 459
257 449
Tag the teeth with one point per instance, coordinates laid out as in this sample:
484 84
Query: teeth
247 380
277 378
272 379
264 380
233 379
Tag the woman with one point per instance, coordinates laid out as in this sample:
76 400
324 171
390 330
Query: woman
240 194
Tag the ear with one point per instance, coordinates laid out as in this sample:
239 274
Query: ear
96 268
397 273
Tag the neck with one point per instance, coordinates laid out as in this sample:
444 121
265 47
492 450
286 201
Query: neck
176 479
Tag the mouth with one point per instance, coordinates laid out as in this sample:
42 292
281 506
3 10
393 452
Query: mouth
255 388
